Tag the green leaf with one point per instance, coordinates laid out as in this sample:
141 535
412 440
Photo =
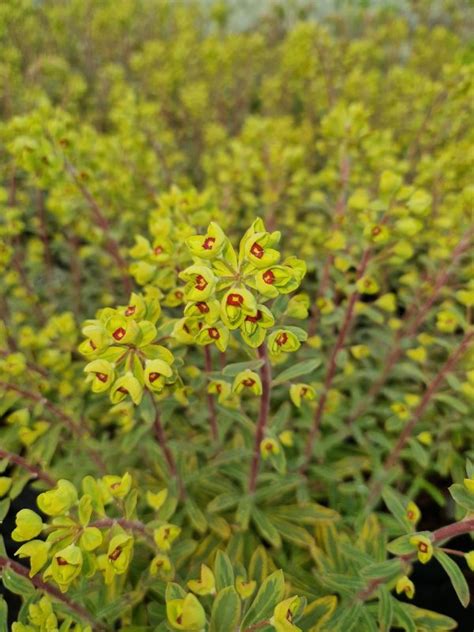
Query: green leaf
293 533
3 615
242 514
385 609
317 612
271 592
195 515
231 370
4 508
265 528
403 617
297 370
455 575
258 567
223 571
226 609
16 583
174 591
429 620
396 506
223 502
387 570
462 496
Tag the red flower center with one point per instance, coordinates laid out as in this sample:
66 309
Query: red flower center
304 390
119 333
153 377
254 319
213 333
268 447
158 250
376 230
103 377
422 547
248 382
61 561
115 553
257 250
122 389
200 283
410 515
269 277
179 294
131 309
92 345
235 299
202 307
282 339
208 243
219 388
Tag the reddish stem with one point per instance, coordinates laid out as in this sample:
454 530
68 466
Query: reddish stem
129 525
411 328
73 426
210 399
394 455
39 584
102 222
162 442
34 470
266 377
331 371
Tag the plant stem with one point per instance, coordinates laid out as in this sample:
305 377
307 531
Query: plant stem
210 399
331 370
39 584
444 533
34 470
411 328
74 427
129 525
163 443
266 376
101 222
394 455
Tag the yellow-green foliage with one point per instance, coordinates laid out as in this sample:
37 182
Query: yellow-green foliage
236 327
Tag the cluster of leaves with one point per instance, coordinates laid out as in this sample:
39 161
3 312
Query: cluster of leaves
277 428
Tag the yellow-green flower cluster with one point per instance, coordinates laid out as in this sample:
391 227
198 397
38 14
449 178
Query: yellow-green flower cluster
178 215
74 545
226 291
124 357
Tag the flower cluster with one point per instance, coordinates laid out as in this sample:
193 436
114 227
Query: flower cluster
124 357
226 291
81 539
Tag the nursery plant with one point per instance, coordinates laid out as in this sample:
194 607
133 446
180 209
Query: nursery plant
236 316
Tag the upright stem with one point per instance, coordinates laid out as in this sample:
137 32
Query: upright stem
75 608
34 470
411 326
266 376
163 443
75 428
332 365
394 455
102 222
210 399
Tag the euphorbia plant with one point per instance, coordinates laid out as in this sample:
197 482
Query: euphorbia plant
241 439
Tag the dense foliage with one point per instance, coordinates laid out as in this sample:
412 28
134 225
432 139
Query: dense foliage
236 360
